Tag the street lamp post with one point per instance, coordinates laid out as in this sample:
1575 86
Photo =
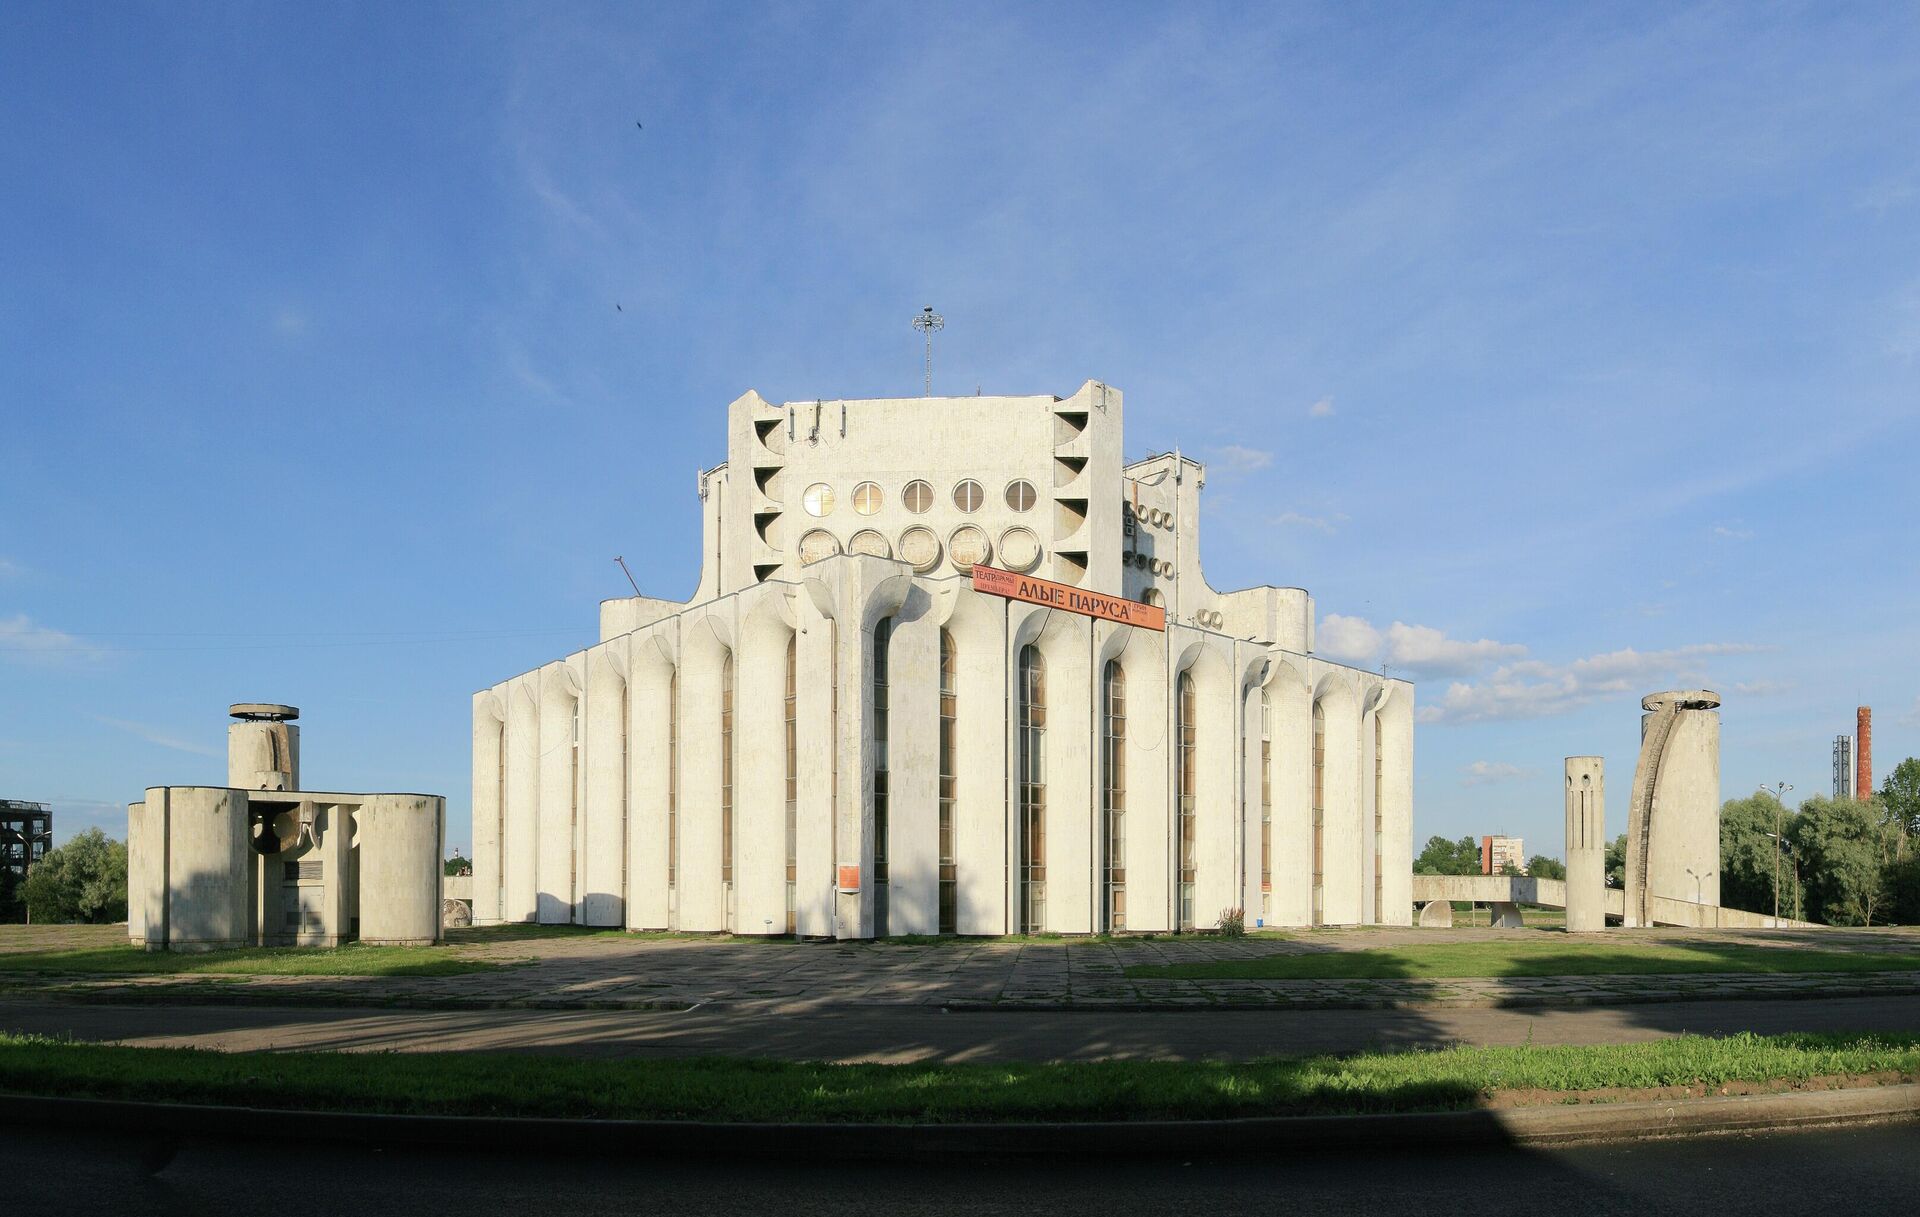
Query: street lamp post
1779 792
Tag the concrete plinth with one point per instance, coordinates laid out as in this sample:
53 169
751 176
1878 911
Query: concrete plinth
1436 915
1506 916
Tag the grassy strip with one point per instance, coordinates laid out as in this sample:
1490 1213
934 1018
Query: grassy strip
1526 958
781 1091
350 960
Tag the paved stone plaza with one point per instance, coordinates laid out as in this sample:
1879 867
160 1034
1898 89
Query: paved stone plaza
615 970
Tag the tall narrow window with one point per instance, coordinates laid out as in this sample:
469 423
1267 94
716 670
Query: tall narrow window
882 643
949 728
1319 813
1187 779
1113 797
1266 806
726 786
1033 791
1379 824
793 782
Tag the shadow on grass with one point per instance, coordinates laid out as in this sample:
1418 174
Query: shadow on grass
1523 958
349 960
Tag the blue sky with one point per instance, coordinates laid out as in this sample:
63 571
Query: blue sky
1564 353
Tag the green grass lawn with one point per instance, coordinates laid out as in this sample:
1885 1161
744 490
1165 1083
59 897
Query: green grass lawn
1549 956
745 1090
350 960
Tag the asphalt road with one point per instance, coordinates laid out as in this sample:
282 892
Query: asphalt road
1861 1172
876 1033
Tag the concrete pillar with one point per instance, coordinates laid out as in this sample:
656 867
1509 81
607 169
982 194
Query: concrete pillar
1342 835
1290 703
400 871
700 897
557 814
913 845
204 883
520 854
814 731
604 751
1396 805
1586 844
983 766
760 769
1216 881
650 677
138 846
489 737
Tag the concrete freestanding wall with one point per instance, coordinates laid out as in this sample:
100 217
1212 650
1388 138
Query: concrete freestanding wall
1673 824
1586 844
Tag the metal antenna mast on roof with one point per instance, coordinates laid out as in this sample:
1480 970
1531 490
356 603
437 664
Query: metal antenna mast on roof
927 322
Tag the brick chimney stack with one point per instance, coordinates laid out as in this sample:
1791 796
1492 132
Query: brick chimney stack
1863 753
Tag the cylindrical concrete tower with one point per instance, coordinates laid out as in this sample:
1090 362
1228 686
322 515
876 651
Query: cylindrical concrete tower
400 840
1863 752
1586 844
263 747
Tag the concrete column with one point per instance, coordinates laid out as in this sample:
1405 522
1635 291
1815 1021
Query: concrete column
1216 689
649 690
603 857
340 900
400 871
1586 844
1249 763
138 846
559 697
520 856
1396 802
1072 745
1149 776
913 729
489 728
1291 706
205 881
760 769
700 897
814 733
983 766
1341 836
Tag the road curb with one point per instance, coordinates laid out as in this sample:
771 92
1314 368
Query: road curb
1537 1126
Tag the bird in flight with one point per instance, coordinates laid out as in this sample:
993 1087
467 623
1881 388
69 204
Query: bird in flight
617 308
641 125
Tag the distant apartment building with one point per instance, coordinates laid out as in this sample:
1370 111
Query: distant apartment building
1503 853
26 835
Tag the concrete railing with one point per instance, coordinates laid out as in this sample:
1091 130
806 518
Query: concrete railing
1552 893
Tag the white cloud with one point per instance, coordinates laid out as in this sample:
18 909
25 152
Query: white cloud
1352 639
1428 650
1486 773
1420 649
1761 688
1321 409
1234 458
1912 717
1532 688
1728 532
1299 519
22 640
154 735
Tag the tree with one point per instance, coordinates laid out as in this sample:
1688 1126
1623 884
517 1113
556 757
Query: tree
1900 802
83 880
1617 862
1542 867
457 864
1444 857
1838 843
1748 854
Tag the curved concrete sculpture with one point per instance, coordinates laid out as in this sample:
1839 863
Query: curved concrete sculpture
1673 820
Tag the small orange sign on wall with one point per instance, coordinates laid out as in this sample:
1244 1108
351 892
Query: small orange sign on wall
849 878
1065 596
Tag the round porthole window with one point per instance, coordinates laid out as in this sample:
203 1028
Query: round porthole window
818 499
1020 495
967 546
920 548
967 496
867 541
817 545
867 498
1019 549
918 496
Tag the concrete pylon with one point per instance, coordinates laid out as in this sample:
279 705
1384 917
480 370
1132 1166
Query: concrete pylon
263 747
1586 844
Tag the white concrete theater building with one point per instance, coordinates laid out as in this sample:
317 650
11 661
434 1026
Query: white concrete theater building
951 667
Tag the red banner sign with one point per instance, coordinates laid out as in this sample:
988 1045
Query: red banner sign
1065 596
